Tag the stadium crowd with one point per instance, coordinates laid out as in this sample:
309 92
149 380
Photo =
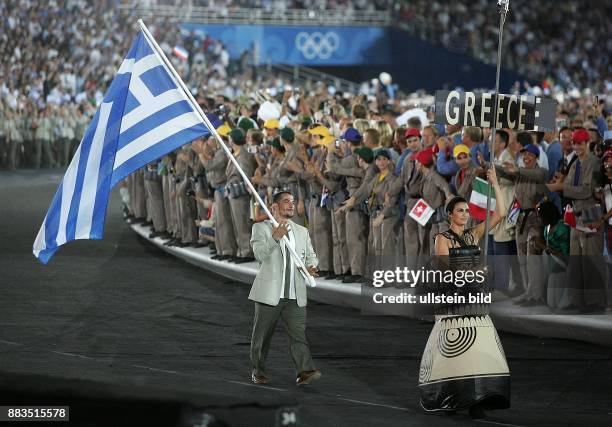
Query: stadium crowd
354 162
542 41
356 174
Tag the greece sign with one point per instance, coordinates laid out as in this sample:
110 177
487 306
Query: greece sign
518 112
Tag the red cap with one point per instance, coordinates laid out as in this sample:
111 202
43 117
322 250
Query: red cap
580 135
425 157
412 132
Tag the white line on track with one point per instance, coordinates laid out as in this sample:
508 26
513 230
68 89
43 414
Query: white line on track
374 404
80 356
498 424
154 369
256 385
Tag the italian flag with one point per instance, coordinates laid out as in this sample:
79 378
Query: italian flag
478 199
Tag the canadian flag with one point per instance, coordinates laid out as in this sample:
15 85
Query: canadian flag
421 212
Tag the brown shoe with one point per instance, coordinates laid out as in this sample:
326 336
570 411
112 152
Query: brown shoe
307 377
258 379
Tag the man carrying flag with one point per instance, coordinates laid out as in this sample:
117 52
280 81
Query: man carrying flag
146 113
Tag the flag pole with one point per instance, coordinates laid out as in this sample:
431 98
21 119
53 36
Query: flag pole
503 10
296 259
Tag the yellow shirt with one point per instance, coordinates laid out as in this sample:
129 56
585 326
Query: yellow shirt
382 176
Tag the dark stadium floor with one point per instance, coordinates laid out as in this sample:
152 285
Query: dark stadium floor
124 314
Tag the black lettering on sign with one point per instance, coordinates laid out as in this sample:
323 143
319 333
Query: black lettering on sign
478 109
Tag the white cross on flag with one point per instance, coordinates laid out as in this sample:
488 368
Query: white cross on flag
421 212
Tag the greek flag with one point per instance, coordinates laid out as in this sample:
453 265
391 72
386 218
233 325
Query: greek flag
144 115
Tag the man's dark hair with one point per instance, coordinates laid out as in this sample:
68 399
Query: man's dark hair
360 111
504 136
414 122
277 196
524 138
564 128
257 137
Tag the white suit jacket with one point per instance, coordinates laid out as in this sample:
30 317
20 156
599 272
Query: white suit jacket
268 283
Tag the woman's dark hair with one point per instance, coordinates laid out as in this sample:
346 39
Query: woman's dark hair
549 213
453 202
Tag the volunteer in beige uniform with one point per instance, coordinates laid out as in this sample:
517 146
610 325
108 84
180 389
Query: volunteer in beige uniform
239 197
165 179
465 176
586 269
186 204
384 212
215 162
155 197
43 139
334 184
319 217
415 236
271 180
530 189
138 195
354 167
507 271
435 191
290 180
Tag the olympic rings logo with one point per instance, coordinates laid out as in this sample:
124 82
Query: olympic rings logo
317 44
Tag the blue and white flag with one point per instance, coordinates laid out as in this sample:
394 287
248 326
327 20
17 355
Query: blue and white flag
143 116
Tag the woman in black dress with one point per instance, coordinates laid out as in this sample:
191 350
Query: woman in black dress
463 365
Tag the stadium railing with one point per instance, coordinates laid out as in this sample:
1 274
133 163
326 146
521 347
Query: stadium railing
204 15
303 76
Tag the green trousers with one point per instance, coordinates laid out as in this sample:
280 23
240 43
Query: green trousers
294 319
